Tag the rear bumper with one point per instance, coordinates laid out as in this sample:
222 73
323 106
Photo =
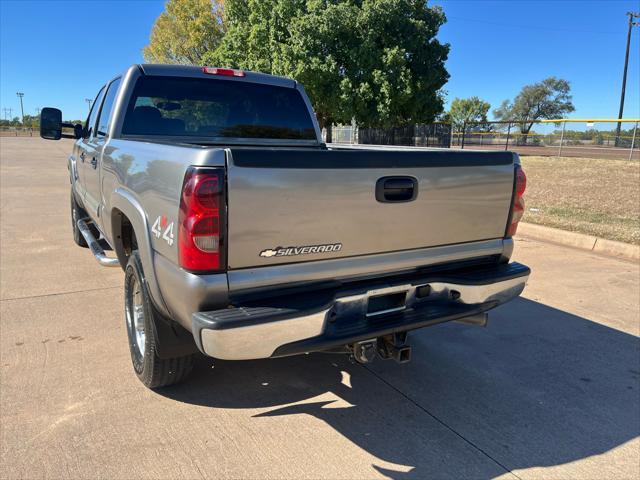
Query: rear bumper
327 319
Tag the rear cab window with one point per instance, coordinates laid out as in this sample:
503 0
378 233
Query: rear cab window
178 106
107 107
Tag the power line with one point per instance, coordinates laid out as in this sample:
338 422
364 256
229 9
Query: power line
531 27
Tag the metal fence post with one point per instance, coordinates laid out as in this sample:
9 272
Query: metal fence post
464 129
564 124
506 147
633 140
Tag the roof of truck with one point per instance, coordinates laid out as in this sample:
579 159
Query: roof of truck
198 72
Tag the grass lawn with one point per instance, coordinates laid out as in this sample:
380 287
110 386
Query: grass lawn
597 197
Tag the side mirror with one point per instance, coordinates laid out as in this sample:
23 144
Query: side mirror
51 123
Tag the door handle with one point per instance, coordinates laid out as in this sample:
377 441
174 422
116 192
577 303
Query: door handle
82 155
396 189
94 162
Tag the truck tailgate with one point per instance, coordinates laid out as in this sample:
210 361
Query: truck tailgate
298 205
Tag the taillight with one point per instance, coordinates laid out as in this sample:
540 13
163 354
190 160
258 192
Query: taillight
517 207
202 220
228 72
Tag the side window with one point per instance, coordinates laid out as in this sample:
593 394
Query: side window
91 120
107 107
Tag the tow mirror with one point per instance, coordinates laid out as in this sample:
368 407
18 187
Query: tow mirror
51 125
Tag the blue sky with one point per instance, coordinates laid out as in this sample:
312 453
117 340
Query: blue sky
59 52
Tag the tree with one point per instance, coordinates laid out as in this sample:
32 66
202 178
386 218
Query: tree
376 61
398 64
466 110
185 32
31 121
547 99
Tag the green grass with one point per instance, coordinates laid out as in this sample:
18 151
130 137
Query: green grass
596 197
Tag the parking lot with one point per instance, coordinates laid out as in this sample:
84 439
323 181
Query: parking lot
551 388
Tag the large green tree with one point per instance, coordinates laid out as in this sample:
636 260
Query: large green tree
467 110
376 61
185 32
547 99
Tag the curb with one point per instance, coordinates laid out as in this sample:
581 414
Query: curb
580 240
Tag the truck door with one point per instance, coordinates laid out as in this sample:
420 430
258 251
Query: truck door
87 150
98 141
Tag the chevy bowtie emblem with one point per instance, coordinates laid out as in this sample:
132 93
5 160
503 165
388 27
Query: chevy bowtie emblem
302 250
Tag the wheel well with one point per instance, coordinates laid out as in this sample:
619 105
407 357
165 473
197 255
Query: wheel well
124 236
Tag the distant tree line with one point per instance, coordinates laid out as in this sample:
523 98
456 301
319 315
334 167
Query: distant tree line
547 99
30 121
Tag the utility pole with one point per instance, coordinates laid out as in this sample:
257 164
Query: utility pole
5 113
89 101
38 111
20 95
631 16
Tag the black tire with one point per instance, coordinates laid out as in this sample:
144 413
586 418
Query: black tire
153 371
76 214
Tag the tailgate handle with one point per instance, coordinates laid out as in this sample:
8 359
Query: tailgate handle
396 189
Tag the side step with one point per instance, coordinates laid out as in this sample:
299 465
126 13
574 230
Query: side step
94 246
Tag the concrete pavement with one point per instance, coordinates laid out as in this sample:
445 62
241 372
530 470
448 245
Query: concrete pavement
551 389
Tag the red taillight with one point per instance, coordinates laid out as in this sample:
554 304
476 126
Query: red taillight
202 220
517 208
229 72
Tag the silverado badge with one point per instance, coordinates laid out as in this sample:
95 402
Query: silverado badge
302 250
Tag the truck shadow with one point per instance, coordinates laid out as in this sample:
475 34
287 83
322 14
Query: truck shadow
539 387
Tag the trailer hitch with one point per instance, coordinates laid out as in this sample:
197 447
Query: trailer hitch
394 346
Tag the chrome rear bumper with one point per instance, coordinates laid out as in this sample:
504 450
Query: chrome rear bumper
292 325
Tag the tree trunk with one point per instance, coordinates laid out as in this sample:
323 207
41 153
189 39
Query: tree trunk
523 138
329 133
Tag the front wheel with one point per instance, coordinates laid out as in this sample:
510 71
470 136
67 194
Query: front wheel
140 316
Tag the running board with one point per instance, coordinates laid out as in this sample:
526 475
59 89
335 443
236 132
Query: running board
94 246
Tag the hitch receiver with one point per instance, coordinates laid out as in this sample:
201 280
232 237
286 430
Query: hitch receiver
394 346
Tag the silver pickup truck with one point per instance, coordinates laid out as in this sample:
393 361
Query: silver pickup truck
244 236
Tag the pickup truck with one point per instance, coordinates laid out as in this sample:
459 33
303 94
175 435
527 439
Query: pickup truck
243 235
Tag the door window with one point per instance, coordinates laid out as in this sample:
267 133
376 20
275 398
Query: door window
90 124
107 107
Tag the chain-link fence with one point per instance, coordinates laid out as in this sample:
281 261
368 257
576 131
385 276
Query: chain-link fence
436 134
19 132
598 138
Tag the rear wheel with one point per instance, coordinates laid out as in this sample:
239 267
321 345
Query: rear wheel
141 315
76 214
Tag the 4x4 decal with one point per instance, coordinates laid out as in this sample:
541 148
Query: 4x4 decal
161 229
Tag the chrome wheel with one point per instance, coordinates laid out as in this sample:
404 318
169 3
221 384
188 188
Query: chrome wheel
135 316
